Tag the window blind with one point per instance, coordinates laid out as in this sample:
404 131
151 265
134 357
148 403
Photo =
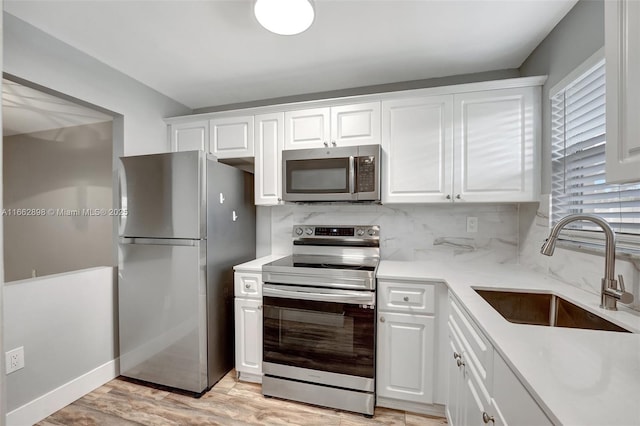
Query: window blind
578 138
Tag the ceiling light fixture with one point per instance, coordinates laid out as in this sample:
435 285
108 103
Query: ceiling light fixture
284 17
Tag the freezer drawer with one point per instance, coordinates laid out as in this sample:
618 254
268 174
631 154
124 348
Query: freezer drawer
162 304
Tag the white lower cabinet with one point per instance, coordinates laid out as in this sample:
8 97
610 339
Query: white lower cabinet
248 325
248 322
406 356
482 388
408 332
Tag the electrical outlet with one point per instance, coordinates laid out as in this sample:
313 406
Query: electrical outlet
14 359
472 224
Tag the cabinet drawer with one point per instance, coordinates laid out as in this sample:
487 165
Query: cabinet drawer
475 345
248 284
410 297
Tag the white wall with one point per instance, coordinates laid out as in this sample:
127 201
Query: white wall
576 38
86 320
66 325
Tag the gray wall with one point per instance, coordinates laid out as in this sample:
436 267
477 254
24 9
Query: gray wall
3 398
575 39
379 88
67 168
578 36
138 128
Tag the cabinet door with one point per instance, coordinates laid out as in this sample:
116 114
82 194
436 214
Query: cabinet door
496 134
231 137
622 50
406 351
355 124
309 128
475 400
269 135
248 334
417 137
455 376
511 403
189 136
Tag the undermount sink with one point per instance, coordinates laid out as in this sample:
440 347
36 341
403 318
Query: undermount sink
544 309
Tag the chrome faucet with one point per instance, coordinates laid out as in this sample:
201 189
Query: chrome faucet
609 293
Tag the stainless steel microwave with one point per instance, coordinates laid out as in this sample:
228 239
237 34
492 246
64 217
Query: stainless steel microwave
332 174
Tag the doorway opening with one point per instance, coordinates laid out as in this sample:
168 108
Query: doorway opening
58 183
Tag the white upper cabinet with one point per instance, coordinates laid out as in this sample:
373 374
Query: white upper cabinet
622 51
480 146
417 148
231 137
345 125
189 136
269 140
495 139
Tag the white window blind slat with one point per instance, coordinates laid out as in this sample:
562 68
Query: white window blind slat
578 137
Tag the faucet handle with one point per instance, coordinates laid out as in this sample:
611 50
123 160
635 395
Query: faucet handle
621 282
624 296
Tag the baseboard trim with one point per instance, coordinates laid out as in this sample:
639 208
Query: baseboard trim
413 407
47 404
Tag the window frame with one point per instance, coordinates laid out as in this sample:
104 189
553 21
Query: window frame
628 245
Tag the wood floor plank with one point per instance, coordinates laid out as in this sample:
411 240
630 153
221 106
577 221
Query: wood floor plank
229 403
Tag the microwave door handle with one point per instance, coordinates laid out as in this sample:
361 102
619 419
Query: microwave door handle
352 175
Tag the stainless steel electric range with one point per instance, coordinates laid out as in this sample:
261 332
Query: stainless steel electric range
319 318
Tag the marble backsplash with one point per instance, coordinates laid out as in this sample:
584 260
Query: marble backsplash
580 269
413 232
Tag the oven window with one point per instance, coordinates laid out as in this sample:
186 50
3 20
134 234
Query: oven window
324 336
320 176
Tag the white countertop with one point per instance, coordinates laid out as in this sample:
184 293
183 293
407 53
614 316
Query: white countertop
256 264
578 377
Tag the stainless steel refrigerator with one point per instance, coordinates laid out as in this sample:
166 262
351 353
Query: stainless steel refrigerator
190 219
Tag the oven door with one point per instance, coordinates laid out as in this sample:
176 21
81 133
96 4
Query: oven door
319 329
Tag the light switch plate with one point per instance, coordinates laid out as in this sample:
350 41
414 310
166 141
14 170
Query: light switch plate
14 360
472 224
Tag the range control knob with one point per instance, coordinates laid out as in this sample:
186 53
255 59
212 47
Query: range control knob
299 231
371 232
309 231
360 232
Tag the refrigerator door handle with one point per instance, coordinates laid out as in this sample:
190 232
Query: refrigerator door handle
122 199
160 241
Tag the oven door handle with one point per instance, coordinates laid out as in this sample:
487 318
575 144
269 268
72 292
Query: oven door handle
302 293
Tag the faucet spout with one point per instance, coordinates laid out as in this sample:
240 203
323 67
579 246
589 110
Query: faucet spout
610 293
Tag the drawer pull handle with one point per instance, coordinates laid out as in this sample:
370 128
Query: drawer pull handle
487 418
459 362
382 319
406 298
456 355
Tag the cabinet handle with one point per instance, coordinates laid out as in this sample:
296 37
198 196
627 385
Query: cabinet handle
456 355
382 319
448 197
334 143
458 197
459 362
326 144
487 418
260 307
406 298
247 286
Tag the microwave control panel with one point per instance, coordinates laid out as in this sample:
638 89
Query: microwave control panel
366 174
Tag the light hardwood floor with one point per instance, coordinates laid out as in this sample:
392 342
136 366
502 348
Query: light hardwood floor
122 403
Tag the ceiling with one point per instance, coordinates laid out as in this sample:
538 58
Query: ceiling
26 110
208 53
